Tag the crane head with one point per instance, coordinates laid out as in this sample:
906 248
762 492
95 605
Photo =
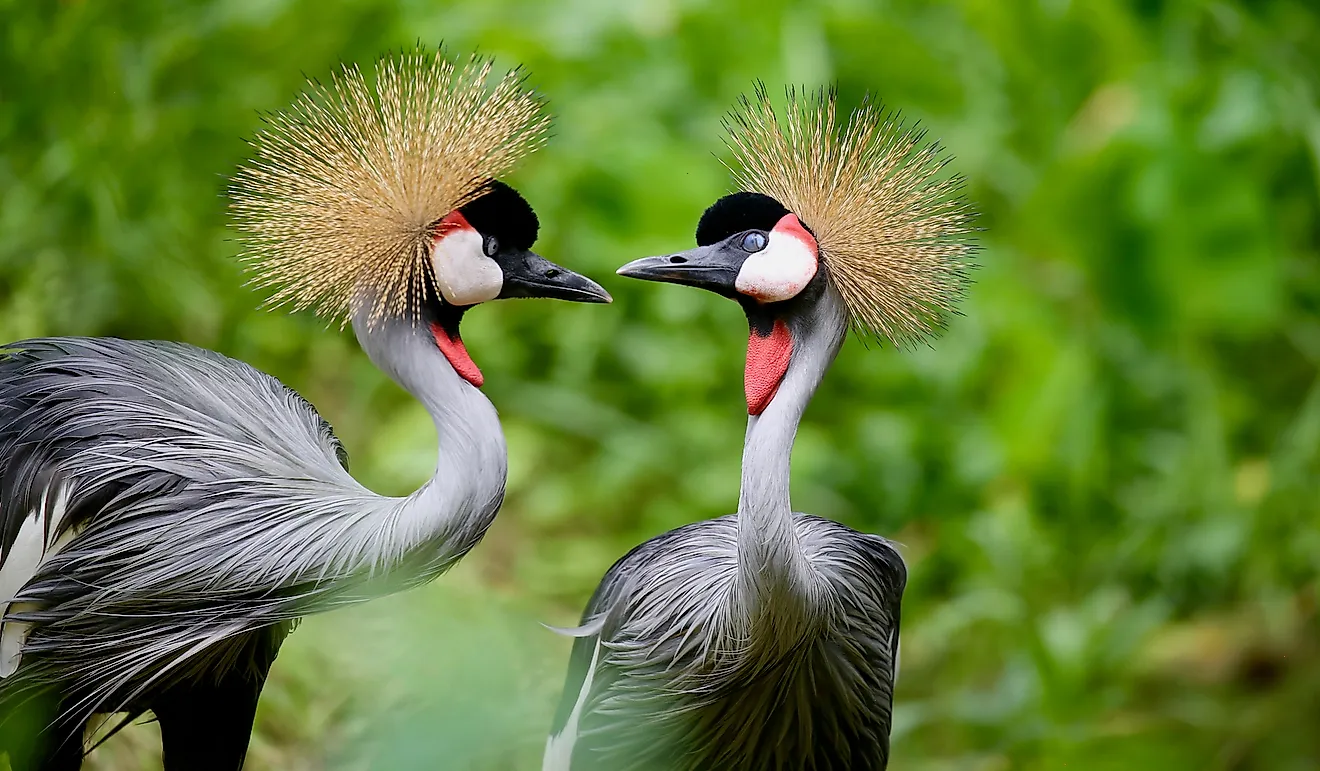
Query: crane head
369 197
749 248
482 251
860 207
752 249
377 201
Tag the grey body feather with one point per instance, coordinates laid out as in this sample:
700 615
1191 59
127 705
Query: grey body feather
209 507
758 641
676 689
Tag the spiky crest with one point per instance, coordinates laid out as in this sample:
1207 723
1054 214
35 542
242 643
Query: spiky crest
339 205
893 231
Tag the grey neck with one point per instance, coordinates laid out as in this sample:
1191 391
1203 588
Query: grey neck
776 583
449 513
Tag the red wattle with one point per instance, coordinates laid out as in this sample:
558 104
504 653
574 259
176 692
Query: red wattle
452 221
456 353
790 225
767 361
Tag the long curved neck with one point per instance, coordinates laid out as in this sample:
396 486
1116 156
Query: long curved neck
775 581
449 513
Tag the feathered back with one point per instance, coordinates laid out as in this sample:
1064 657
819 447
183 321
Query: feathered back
893 232
340 203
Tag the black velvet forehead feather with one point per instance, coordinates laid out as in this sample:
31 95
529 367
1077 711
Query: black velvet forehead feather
501 212
735 213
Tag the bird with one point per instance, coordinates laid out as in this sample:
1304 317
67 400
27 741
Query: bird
167 513
768 639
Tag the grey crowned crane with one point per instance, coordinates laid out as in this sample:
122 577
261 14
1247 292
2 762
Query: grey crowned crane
768 639
167 513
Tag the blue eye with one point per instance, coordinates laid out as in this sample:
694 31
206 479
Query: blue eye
754 241
490 245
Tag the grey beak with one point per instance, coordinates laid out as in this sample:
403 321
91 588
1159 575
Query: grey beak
531 275
713 267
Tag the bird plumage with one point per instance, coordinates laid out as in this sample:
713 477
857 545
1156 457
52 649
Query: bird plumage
168 513
676 688
768 639
762 640
208 500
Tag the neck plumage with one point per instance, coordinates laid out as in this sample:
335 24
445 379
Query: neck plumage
775 581
427 531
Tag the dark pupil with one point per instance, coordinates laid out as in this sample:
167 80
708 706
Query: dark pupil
754 241
490 246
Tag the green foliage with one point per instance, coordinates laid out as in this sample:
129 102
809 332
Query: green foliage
1105 475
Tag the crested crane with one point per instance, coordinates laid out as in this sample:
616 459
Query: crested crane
168 513
768 639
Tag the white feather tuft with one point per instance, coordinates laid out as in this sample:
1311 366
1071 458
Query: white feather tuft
559 747
36 543
586 630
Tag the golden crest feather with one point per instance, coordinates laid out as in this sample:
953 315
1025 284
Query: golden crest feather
893 232
339 205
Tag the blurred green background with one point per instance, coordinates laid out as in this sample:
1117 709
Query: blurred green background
1104 476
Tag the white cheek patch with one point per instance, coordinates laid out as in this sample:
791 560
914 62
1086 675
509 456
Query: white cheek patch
463 272
782 269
